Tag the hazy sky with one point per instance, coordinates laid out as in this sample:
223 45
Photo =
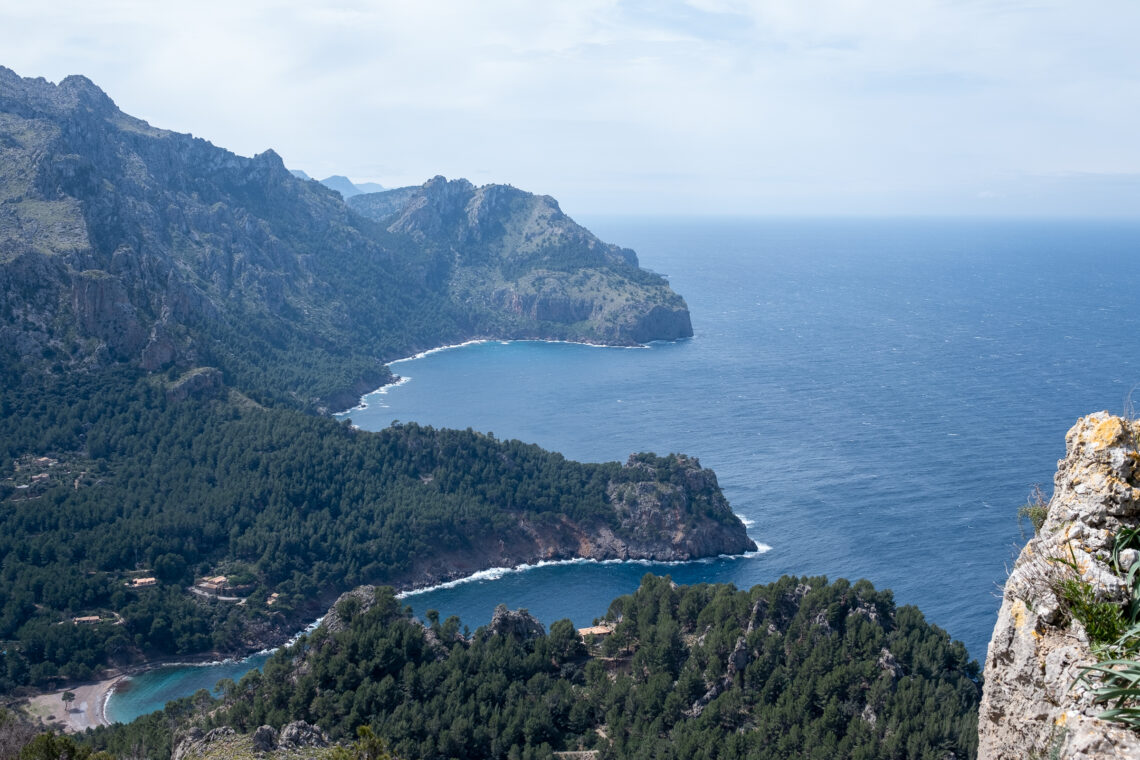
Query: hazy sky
707 106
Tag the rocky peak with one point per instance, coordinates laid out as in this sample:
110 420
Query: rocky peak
518 623
1034 704
349 605
87 94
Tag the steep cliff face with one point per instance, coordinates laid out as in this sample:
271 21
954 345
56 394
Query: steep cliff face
666 509
1034 706
125 244
515 257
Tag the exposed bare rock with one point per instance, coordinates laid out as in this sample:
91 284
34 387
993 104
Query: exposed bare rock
104 311
518 623
515 255
265 739
296 741
194 744
349 605
200 382
301 734
670 508
1033 704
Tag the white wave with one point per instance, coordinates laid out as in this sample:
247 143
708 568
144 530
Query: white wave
748 522
107 700
437 349
473 342
495 573
382 390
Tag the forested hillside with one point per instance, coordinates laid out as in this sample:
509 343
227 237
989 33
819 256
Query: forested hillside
797 668
126 481
171 317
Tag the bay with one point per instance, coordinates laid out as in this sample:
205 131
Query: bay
877 397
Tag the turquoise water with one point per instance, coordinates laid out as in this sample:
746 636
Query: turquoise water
877 398
147 692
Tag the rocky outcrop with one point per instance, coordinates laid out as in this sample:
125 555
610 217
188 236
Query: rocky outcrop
517 623
669 508
201 382
665 509
527 267
296 740
125 244
1034 703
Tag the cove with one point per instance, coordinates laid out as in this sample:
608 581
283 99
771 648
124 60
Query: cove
877 397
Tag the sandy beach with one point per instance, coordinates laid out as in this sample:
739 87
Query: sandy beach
86 711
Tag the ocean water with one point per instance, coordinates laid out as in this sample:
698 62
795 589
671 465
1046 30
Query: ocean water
149 691
877 398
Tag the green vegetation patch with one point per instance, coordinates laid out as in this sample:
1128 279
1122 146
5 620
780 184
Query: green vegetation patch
279 501
797 668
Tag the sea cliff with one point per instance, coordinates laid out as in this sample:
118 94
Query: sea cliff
1035 704
125 246
665 509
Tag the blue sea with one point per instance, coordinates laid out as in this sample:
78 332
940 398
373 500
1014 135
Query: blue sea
877 398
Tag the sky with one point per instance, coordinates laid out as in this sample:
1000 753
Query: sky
761 107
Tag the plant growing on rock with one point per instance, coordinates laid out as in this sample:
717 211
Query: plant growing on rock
1116 679
1035 509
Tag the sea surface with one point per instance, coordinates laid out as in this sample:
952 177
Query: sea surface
877 398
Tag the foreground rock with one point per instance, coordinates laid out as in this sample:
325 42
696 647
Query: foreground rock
1033 704
296 741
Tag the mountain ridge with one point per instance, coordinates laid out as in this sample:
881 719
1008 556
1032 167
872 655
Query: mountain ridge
121 242
175 320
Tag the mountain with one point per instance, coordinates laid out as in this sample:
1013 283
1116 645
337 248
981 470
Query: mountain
349 189
515 255
123 243
342 185
369 187
174 319
796 668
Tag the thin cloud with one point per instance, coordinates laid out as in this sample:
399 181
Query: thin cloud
775 106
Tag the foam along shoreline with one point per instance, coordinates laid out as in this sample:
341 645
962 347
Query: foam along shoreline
93 710
495 573
400 380
103 715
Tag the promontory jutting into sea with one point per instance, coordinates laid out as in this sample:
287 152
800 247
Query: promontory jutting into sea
718 488
844 382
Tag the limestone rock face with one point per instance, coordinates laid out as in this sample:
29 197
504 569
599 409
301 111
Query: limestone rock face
1033 705
296 741
518 623
125 244
522 265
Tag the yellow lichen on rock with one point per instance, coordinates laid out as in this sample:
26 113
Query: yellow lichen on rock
1019 613
1109 432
